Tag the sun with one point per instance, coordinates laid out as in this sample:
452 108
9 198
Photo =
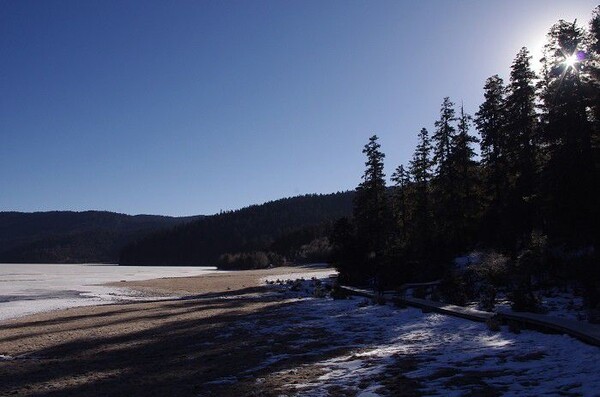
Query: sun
571 60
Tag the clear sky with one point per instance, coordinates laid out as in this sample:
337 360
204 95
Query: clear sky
191 107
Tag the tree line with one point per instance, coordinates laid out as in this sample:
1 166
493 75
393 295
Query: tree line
74 237
534 181
287 230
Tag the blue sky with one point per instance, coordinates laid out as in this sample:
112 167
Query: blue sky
192 107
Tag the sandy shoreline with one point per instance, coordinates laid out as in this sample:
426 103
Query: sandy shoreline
168 347
217 283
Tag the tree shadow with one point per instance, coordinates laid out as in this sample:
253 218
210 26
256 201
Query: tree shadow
184 350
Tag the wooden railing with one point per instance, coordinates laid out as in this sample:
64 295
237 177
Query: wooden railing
589 333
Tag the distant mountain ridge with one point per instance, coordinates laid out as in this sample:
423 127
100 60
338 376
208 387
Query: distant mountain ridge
282 227
74 237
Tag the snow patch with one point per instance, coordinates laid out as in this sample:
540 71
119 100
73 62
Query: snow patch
360 345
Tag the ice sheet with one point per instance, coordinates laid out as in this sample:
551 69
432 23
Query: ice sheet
33 288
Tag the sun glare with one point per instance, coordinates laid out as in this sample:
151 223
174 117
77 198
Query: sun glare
571 60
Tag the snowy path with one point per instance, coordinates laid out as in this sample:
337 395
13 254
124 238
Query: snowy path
589 333
349 348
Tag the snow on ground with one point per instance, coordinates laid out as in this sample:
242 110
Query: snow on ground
357 348
563 303
33 288
555 302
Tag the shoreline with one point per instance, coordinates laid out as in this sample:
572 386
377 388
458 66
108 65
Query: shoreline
210 281
84 350
27 289
221 281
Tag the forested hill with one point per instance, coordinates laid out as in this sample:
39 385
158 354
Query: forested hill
73 237
279 228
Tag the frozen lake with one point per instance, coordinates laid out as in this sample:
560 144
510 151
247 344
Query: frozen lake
33 288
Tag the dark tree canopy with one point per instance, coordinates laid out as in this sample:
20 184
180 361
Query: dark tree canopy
535 184
568 134
283 227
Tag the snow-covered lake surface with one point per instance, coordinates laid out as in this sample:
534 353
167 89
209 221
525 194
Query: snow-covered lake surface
34 288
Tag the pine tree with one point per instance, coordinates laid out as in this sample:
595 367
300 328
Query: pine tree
442 138
521 126
569 175
464 169
421 174
444 199
421 163
562 89
520 114
401 179
462 154
490 121
371 209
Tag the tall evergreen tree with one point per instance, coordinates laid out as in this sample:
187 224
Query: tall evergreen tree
521 117
465 190
371 209
401 179
521 124
444 199
462 155
421 163
442 138
490 121
569 176
421 174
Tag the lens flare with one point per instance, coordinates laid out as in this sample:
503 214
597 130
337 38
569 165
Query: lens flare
571 60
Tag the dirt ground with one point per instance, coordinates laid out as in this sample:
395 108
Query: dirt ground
215 283
179 347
